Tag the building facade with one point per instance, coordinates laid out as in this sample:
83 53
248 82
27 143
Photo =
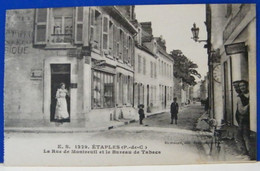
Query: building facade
153 71
90 49
232 25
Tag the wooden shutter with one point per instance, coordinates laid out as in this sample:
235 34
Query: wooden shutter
86 24
105 31
132 51
41 25
92 25
78 36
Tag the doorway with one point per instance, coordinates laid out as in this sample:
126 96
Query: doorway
60 73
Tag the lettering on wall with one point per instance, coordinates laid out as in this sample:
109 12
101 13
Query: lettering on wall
18 32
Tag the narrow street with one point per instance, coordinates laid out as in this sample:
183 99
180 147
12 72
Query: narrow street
156 141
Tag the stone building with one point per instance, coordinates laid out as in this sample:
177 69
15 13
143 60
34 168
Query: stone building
153 71
232 34
90 49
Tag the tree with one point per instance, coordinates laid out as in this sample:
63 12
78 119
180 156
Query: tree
184 68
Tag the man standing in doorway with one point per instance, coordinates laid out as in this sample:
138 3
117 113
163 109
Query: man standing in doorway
243 118
174 110
238 91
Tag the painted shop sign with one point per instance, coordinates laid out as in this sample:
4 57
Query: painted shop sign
79 53
18 32
235 48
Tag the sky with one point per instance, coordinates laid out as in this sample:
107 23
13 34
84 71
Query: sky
174 23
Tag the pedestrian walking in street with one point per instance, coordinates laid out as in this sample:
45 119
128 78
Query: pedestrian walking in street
243 136
174 111
141 113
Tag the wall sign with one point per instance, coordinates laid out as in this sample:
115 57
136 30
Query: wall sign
73 85
36 74
235 48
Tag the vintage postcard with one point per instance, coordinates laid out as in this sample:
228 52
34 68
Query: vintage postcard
130 85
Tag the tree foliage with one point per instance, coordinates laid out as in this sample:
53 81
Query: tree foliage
184 68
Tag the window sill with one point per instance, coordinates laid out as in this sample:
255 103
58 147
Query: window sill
62 46
96 51
110 57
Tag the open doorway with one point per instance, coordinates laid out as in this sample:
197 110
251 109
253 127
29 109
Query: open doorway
60 73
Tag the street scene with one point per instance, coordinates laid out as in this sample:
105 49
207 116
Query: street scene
130 85
183 138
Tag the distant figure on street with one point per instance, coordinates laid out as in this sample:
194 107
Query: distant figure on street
174 110
243 138
141 113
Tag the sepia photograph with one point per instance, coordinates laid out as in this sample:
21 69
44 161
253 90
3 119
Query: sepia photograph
130 85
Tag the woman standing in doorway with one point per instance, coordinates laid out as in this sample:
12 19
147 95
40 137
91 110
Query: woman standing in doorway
61 111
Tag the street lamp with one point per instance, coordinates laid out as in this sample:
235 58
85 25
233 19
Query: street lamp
195 32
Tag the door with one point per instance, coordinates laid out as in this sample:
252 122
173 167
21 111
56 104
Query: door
60 73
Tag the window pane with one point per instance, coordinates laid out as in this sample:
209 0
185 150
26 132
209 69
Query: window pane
105 41
105 24
68 23
80 13
42 15
58 12
79 32
41 33
103 90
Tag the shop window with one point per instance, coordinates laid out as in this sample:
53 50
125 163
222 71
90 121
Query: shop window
103 90
120 89
63 28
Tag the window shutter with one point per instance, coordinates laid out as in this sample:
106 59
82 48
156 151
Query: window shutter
111 37
114 40
41 25
92 25
132 51
78 36
105 31
155 74
86 28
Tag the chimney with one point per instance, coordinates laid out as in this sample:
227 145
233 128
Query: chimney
147 27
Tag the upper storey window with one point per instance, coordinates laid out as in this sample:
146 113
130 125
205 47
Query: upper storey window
59 26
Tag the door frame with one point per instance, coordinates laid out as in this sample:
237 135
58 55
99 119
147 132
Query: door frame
47 84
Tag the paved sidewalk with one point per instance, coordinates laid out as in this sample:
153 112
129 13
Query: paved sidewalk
90 127
226 150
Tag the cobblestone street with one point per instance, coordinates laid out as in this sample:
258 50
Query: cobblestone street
156 140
